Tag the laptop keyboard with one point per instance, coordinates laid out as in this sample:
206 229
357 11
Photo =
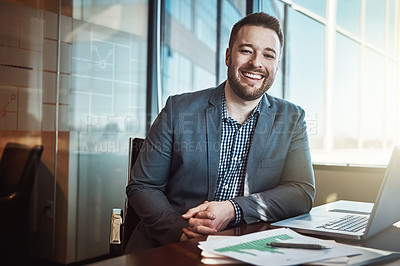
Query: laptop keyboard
348 223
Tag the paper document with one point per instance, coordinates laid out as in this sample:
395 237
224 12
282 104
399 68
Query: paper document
253 248
212 258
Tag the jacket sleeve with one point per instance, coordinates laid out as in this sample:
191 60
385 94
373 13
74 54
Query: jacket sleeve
146 190
295 191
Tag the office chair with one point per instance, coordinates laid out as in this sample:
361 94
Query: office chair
18 168
131 218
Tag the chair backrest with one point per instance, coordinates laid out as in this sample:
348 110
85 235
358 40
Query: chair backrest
131 217
18 168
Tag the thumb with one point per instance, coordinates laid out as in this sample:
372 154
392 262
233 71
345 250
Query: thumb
193 211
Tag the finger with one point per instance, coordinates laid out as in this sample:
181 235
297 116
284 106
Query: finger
205 215
190 234
200 222
193 211
203 230
183 237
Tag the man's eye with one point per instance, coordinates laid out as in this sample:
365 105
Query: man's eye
246 51
270 56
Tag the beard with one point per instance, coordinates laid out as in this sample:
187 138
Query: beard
248 92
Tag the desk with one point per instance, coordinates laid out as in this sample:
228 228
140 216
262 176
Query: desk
187 253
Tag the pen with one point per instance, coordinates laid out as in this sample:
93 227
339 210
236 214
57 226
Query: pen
296 245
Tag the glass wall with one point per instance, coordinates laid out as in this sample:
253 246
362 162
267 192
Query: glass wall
73 78
107 95
342 66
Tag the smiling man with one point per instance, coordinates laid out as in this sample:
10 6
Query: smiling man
227 155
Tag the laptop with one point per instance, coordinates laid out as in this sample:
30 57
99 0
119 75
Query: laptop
351 219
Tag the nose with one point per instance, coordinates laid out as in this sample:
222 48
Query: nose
255 60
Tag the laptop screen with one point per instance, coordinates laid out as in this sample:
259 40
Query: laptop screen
386 210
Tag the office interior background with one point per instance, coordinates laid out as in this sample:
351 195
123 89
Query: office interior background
82 76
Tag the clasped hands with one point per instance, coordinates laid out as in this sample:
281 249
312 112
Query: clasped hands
208 218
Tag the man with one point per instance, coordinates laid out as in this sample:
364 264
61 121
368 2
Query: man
226 155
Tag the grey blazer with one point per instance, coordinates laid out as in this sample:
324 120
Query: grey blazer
177 168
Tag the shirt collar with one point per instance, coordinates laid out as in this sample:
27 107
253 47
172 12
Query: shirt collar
225 110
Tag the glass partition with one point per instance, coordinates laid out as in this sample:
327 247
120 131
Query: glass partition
73 78
107 96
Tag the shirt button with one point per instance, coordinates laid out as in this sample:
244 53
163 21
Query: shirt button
226 186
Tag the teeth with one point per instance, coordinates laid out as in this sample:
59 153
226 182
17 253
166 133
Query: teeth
252 76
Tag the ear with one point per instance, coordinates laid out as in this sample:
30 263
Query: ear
227 56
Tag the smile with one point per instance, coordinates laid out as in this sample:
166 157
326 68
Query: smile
252 76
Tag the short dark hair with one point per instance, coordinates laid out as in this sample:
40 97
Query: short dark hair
257 19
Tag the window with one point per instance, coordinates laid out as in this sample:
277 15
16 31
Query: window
190 58
305 71
345 124
342 66
188 46
316 6
348 16
230 14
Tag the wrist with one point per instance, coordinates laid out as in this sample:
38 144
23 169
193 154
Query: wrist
232 210
237 216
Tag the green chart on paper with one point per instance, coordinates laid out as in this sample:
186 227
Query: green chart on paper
259 244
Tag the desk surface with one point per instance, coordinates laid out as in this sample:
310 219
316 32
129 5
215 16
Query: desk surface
187 253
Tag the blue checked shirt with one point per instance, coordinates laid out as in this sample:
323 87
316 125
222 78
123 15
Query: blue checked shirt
235 145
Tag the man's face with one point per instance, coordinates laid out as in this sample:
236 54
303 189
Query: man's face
253 62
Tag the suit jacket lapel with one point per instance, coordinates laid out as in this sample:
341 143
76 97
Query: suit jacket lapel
260 138
213 128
